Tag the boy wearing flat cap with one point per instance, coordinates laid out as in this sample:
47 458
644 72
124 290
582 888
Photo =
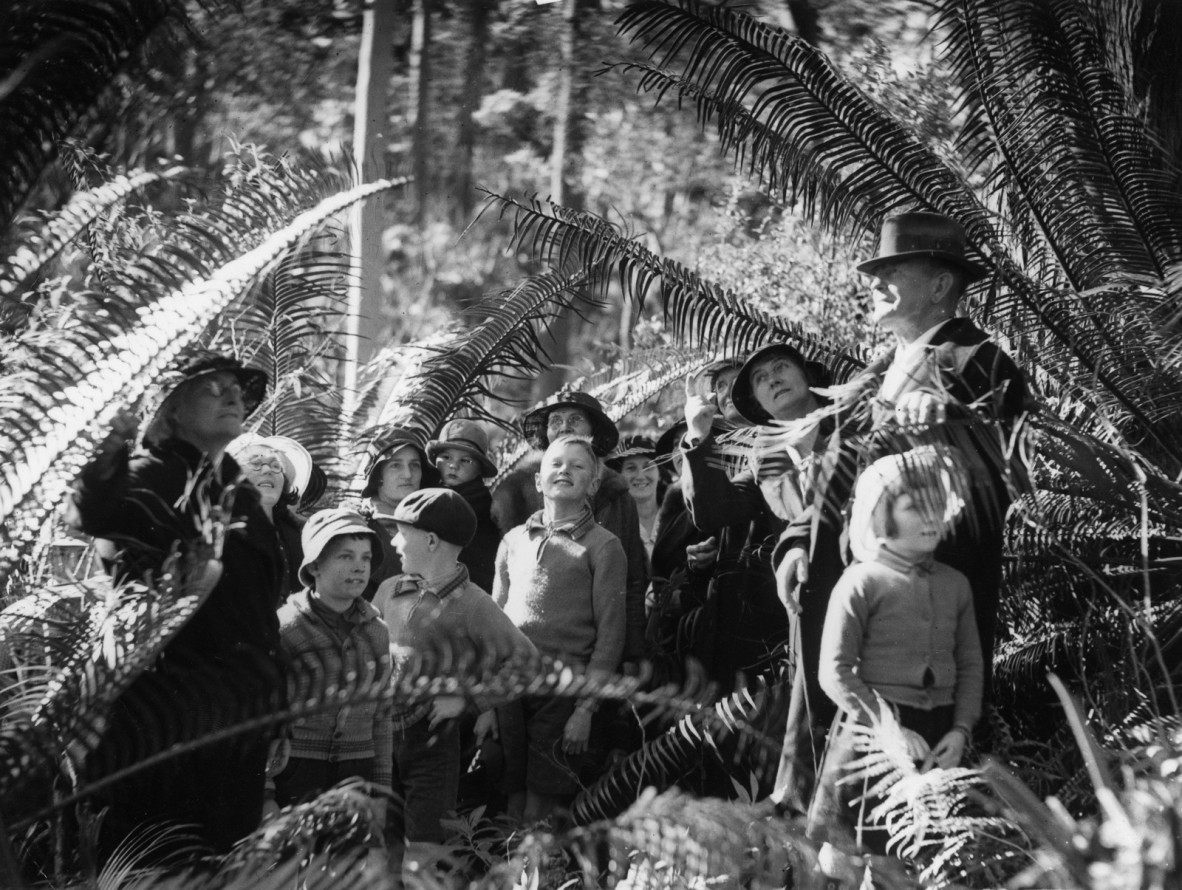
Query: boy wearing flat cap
334 639
434 610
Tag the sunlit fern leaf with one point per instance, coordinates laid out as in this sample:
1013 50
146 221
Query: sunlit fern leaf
56 58
701 314
1044 98
70 415
49 238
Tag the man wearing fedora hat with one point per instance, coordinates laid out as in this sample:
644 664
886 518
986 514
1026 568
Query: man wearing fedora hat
944 380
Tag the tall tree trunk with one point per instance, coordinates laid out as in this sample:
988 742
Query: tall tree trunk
420 84
569 134
469 101
370 133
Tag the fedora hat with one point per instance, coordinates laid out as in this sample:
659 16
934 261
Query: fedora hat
604 434
467 436
743 394
920 234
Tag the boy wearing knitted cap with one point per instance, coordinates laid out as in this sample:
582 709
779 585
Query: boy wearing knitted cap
335 640
434 611
900 634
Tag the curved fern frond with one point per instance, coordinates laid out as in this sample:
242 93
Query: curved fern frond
701 313
1044 99
52 437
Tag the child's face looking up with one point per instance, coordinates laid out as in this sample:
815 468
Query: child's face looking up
917 528
342 569
414 546
569 473
456 467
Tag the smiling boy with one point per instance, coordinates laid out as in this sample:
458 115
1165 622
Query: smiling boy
561 579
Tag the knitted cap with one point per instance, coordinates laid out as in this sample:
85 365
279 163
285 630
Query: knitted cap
325 525
439 510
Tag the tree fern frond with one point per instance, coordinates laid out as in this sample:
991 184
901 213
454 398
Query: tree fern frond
1039 83
68 415
50 238
56 58
702 314
454 376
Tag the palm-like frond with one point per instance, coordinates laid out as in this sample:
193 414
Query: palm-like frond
56 58
1045 103
78 403
455 375
701 314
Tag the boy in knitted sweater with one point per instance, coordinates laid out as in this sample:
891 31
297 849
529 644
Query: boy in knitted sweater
900 634
437 617
561 578
334 639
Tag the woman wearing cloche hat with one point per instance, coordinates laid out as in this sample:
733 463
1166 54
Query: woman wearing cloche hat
223 664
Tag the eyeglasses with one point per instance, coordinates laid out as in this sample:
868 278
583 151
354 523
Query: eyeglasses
217 389
265 463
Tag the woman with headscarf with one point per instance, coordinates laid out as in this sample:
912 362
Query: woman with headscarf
223 666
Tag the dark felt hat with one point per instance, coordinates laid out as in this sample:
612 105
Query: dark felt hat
439 510
325 525
919 234
604 434
743 395
632 446
193 366
467 436
671 438
384 448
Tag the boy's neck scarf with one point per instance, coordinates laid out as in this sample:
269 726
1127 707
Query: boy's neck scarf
574 527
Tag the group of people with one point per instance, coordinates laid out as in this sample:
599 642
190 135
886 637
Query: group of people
851 532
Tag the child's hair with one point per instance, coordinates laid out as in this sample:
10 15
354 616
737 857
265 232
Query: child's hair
584 443
929 474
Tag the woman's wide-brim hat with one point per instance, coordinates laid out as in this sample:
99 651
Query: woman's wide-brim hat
297 461
632 446
922 235
604 435
743 394
194 366
384 448
467 436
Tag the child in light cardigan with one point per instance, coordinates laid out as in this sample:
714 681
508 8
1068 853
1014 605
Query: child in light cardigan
899 633
561 577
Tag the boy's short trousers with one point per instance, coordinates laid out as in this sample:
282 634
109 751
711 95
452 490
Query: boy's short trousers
531 731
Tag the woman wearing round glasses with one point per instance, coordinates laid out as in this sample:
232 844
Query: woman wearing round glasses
180 495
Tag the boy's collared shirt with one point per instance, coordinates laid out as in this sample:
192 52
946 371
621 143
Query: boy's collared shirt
575 527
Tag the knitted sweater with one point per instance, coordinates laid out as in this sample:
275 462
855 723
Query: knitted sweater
905 632
457 621
563 586
517 498
320 661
